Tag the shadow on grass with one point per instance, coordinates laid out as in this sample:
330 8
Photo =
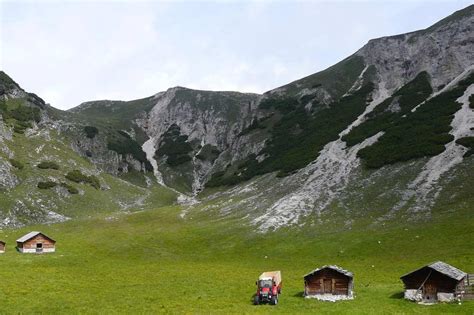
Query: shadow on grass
299 294
252 299
398 295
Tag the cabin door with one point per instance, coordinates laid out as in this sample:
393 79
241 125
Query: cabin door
39 247
327 286
429 293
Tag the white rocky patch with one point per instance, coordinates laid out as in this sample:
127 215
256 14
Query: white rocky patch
330 297
358 83
326 177
8 180
53 217
149 148
39 149
197 184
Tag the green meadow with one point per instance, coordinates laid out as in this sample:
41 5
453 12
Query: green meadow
157 262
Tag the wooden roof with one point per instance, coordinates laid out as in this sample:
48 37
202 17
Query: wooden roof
442 268
333 267
30 235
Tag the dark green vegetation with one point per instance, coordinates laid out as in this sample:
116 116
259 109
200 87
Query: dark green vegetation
392 110
256 124
175 146
122 143
47 185
17 164
71 189
20 115
467 142
25 113
155 262
283 104
91 131
48 165
77 177
418 134
6 83
298 136
337 79
208 153
466 12
113 114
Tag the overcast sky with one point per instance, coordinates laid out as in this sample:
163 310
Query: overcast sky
69 52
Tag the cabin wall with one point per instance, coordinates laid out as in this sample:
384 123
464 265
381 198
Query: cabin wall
436 280
328 282
30 245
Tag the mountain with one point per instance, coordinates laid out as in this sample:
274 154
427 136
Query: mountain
385 134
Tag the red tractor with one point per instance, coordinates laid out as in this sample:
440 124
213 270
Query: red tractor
268 288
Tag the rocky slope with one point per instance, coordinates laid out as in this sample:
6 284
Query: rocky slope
44 180
384 134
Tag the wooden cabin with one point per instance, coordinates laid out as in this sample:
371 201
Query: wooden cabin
329 283
437 282
2 247
35 242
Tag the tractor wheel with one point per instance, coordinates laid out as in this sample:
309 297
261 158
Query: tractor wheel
274 300
256 300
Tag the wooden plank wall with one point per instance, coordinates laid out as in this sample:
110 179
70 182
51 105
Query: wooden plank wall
339 283
47 243
430 278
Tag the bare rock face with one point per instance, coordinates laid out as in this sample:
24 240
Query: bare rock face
207 119
444 51
8 180
28 211
96 151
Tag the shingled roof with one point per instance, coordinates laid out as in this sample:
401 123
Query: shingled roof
333 267
443 268
30 235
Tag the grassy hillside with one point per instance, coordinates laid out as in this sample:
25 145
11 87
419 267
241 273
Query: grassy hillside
43 159
154 261
113 114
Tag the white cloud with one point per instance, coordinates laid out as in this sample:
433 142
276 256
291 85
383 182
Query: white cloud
73 51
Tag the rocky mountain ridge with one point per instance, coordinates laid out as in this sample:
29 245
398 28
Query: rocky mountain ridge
398 108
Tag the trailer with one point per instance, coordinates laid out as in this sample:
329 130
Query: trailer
268 288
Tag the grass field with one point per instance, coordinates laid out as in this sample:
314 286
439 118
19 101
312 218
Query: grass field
154 261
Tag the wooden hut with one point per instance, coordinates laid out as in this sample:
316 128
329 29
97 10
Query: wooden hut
2 247
437 282
35 242
329 283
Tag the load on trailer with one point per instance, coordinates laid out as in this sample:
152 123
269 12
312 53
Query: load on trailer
268 288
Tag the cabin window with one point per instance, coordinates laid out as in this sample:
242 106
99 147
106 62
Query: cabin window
39 245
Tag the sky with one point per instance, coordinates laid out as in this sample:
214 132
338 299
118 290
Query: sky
69 52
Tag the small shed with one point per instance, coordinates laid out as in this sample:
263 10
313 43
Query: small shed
435 282
2 247
329 283
35 242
